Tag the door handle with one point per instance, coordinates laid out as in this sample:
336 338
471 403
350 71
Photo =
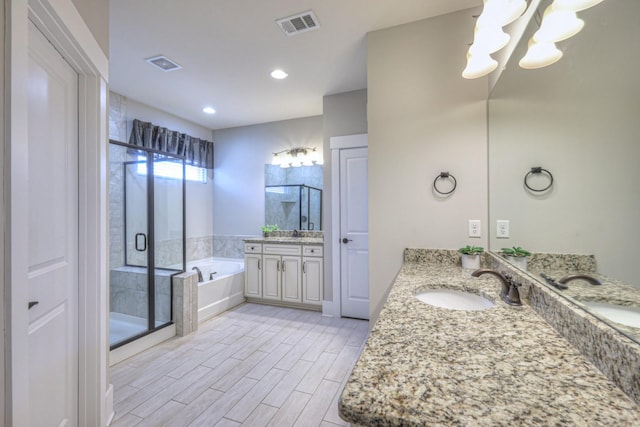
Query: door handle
283 265
304 268
345 240
259 265
32 304
277 265
144 242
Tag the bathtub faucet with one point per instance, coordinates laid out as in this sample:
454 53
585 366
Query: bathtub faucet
200 279
212 274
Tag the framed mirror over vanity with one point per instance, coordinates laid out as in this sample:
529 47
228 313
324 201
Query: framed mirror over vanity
578 119
293 197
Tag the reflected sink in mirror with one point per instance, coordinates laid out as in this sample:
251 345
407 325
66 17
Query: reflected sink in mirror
628 316
454 300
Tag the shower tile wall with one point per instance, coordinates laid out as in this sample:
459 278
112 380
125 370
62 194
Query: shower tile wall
128 293
227 246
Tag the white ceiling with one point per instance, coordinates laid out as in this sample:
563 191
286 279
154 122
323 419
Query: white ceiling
227 49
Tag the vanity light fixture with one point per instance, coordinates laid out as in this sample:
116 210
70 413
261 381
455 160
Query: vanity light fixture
540 54
478 65
279 74
558 24
296 157
209 110
489 36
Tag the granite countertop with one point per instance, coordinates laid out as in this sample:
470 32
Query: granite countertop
287 240
504 366
612 291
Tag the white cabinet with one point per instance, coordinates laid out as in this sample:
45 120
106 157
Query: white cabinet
253 270
284 274
312 280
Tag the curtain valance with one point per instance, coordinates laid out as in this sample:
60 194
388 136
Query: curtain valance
196 151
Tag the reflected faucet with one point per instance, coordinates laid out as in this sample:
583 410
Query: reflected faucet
509 293
200 279
584 277
296 233
553 282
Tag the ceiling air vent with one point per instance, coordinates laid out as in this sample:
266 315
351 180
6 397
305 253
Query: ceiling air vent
299 23
164 63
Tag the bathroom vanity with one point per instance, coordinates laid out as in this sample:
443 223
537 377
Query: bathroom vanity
285 271
426 365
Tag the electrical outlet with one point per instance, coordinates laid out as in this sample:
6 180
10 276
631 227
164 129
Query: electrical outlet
502 229
474 228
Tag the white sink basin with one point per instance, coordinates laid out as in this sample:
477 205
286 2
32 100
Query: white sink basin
629 316
454 300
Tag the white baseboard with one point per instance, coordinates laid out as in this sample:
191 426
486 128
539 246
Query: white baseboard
212 310
108 405
141 344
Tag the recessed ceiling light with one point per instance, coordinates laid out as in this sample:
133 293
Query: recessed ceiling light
279 74
209 110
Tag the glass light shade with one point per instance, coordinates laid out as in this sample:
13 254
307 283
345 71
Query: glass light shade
478 65
558 25
315 156
489 39
575 5
277 160
501 12
307 161
540 55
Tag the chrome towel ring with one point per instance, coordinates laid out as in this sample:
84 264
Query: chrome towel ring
535 171
444 176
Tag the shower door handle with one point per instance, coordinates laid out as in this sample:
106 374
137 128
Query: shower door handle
139 241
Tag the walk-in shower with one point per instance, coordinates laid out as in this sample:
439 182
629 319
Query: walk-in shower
146 230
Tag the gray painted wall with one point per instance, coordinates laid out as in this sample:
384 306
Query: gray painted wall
343 114
240 156
95 14
424 118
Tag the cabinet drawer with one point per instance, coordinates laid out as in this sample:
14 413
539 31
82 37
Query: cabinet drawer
312 250
282 249
252 248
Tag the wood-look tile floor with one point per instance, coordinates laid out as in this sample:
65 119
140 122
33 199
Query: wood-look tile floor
255 365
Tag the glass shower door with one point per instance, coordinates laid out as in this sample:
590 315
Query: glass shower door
129 244
168 219
146 216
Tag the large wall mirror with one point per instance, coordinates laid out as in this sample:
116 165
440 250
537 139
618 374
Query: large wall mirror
579 119
293 197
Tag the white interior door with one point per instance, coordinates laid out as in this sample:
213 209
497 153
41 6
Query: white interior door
354 233
52 189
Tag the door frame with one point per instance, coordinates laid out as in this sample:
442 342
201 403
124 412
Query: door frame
63 26
337 143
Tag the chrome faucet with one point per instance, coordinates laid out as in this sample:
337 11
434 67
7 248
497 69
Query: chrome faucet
584 277
509 293
200 279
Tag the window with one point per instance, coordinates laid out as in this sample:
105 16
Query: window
173 170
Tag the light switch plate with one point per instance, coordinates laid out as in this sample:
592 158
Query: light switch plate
474 228
502 229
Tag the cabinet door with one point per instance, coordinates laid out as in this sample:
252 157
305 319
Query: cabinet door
271 276
253 276
312 280
291 279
